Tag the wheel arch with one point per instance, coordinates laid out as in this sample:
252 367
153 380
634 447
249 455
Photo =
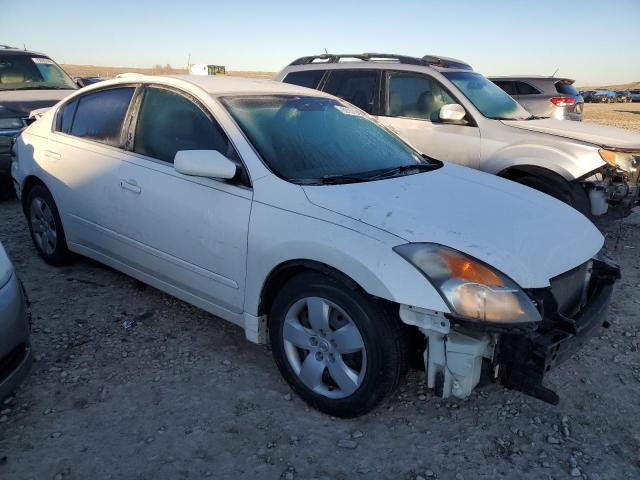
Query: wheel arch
27 184
515 172
285 271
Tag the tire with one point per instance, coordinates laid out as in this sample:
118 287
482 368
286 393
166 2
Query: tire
571 194
374 343
45 226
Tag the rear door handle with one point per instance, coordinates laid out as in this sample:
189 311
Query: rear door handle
130 185
52 155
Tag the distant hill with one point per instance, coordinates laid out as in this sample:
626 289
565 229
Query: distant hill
107 72
623 86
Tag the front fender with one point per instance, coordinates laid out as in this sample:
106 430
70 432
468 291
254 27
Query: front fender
274 239
570 161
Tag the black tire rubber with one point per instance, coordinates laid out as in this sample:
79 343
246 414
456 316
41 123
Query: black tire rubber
61 255
571 194
385 338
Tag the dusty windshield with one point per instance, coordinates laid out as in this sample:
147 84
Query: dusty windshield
487 97
27 72
308 139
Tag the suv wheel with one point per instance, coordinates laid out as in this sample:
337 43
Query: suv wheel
342 351
571 194
46 227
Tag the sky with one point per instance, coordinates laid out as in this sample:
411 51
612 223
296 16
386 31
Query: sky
495 37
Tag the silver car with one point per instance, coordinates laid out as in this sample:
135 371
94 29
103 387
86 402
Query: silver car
15 350
544 97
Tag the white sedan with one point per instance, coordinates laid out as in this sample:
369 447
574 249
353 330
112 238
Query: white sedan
295 216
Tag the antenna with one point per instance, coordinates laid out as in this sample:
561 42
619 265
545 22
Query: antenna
24 46
554 73
325 51
189 62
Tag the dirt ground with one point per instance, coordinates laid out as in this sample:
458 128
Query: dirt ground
181 394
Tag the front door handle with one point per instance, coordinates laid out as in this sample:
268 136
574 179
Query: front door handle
52 155
130 185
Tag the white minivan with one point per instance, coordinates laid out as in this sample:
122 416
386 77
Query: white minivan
295 216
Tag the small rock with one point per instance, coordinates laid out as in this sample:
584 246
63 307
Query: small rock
347 443
288 397
429 473
226 363
553 440
357 434
575 472
420 477
422 398
56 435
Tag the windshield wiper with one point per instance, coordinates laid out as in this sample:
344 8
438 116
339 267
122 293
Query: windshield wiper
405 169
33 87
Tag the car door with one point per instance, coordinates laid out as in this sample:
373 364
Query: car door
188 233
83 157
411 105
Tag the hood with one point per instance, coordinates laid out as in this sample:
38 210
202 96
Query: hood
18 103
586 132
527 235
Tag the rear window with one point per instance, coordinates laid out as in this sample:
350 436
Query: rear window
358 87
307 78
566 88
99 115
507 86
526 89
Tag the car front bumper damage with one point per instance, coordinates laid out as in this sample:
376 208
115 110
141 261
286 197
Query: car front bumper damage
460 353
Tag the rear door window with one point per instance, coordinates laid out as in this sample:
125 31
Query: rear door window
99 115
413 95
566 89
306 78
359 87
526 89
508 86
169 122
65 116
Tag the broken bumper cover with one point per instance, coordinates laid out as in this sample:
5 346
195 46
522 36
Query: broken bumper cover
524 360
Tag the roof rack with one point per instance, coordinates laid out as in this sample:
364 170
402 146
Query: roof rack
444 62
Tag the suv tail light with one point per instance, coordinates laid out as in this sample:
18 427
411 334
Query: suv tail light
562 101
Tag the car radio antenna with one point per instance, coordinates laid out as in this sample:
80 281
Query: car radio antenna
554 73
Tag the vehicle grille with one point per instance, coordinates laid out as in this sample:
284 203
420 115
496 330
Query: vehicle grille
9 363
570 289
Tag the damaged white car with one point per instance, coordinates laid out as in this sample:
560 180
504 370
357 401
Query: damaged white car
293 215
449 112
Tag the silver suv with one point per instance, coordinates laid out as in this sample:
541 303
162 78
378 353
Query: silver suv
447 111
544 97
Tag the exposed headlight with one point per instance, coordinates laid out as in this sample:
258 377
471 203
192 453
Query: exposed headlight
471 288
622 160
11 123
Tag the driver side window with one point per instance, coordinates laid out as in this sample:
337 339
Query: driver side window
413 95
169 122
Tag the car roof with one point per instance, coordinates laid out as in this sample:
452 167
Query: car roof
7 50
531 77
214 84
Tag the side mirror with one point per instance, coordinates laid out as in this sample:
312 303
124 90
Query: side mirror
452 113
204 163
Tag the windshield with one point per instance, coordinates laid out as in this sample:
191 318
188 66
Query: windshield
487 97
308 139
24 72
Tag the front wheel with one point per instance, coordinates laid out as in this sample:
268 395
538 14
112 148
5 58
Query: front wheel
342 351
569 193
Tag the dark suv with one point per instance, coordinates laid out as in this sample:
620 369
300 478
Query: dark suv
28 81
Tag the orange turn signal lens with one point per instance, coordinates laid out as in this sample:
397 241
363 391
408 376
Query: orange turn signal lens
465 269
608 156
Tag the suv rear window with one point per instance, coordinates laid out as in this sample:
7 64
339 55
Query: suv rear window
306 78
526 89
358 87
566 88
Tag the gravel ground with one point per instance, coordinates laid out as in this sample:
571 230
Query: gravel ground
130 383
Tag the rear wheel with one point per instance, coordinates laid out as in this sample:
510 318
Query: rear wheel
571 194
46 227
342 351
